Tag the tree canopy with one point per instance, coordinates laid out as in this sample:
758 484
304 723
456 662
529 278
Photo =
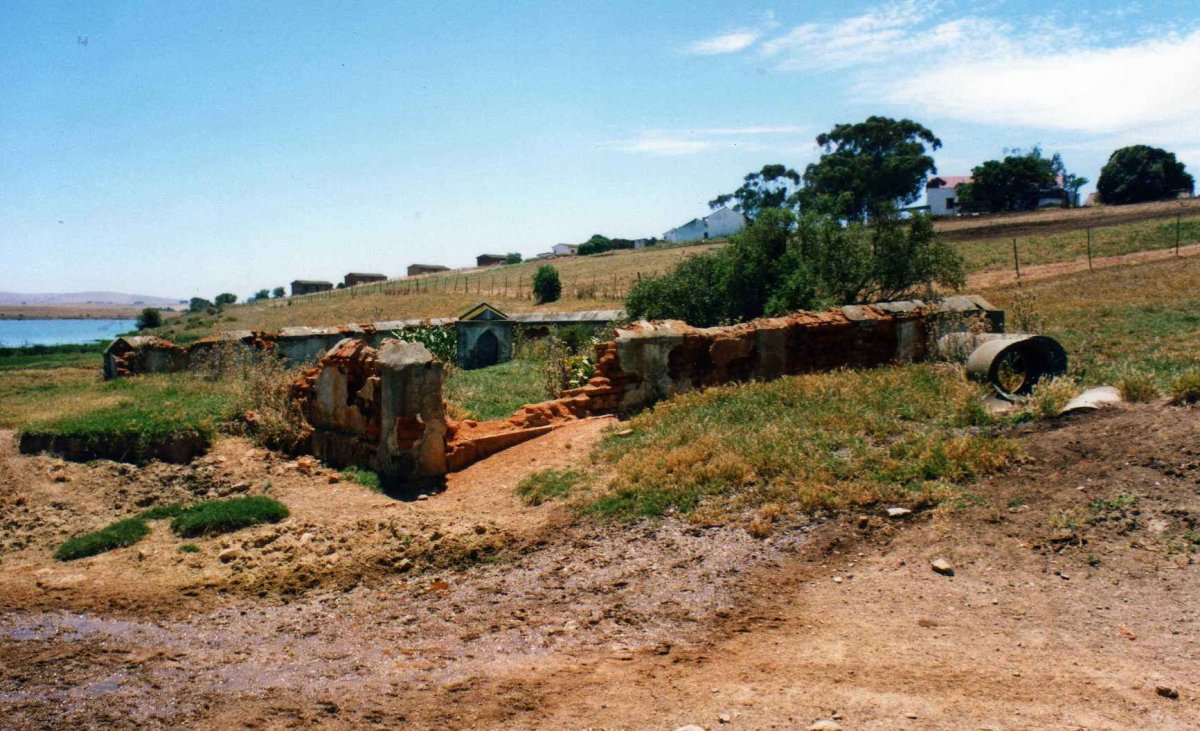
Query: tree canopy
1017 182
278 292
225 298
774 186
781 263
1142 173
869 167
547 287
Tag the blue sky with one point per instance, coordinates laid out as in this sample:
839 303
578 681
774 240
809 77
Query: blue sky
187 149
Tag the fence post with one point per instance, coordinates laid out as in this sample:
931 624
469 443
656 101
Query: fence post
1017 261
1176 234
1089 237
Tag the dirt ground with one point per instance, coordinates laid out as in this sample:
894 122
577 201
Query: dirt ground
998 278
1073 602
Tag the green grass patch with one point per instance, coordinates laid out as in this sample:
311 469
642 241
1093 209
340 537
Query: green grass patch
366 478
546 485
162 512
498 391
118 535
189 548
20 359
839 440
214 517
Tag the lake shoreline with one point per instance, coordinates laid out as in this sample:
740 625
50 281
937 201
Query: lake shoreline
73 312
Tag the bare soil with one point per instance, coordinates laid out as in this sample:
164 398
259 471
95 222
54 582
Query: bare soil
998 278
1040 223
1074 599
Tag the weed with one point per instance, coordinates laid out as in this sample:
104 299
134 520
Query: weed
1186 388
118 535
547 485
213 517
1136 385
1117 504
366 478
1051 395
189 548
1016 502
1093 560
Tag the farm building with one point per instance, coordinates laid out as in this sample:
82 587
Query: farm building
415 270
490 260
354 278
565 249
718 224
308 286
941 192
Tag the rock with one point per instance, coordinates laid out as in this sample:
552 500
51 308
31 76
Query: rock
838 579
898 512
825 726
232 553
690 727
942 566
334 478
1167 692
724 717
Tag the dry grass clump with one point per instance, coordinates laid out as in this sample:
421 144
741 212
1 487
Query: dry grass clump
1186 388
1050 395
260 385
1136 385
832 441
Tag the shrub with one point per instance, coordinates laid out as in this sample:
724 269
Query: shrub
1050 395
189 548
1136 385
546 285
1142 173
566 368
779 264
440 341
1186 388
547 485
366 478
148 318
225 298
214 517
512 258
118 535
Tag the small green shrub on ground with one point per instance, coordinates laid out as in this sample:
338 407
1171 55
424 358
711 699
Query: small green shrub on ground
546 285
189 548
366 478
547 485
118 535
441 341
214 517
1050 395
1137 385
1186 389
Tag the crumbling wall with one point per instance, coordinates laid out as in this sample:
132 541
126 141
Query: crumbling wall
132 355
380 409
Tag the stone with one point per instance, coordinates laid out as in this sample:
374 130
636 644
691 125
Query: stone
724 717
826 725
1167 692
690 727
230 554
898 512
942 566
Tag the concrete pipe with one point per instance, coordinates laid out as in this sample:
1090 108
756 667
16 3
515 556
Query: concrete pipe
1013 364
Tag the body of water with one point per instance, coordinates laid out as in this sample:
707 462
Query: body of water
17 333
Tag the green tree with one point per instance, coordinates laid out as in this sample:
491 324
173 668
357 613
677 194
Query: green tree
149 318
199 304
1011 184
869 168
775 186
225 298
279 293
513 258
781 263
546 285
1142 173
261 295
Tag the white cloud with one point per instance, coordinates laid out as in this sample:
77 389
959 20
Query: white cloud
782 137
727 43
1147 86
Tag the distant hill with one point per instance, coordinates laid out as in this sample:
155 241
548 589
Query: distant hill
84 299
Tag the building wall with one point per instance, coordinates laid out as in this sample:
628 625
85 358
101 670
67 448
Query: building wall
725 222
939 200
353 279
310 287
691 231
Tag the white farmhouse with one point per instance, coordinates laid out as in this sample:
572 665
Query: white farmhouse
718 224
565 249
941 193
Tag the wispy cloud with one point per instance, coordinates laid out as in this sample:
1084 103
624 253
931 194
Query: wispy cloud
726 43
782 137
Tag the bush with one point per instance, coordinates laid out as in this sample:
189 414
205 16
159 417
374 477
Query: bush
1050 395
439 340
225 298
546 285
118 535
214 517
1142 173
148 318
366 478
780 264
512 258
1186 388
1137 385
